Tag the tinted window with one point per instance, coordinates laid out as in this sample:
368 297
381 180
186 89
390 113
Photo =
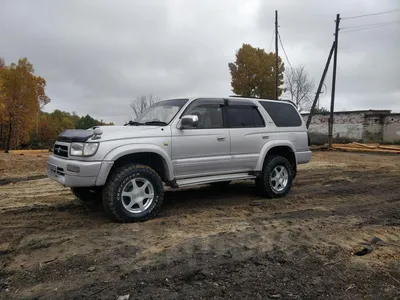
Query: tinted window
210 116
244 116
257 118
283 114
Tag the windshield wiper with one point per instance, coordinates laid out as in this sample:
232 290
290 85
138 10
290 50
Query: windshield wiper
133 123
160 123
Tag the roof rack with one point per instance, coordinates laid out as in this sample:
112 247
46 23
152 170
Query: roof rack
250 97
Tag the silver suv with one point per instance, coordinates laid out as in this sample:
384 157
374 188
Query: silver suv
178 143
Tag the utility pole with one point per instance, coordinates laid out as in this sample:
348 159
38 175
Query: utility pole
316 99
330 135
276 55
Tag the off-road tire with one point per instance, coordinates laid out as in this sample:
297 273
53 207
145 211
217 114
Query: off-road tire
263 180
88 195
220 184
112 193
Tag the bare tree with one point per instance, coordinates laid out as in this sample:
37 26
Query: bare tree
299 87
321 110
141 103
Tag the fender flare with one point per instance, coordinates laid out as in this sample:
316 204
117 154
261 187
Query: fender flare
268 146
133 148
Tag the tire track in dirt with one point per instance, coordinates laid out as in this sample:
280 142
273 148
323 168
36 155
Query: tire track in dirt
212 243
6 181
31 193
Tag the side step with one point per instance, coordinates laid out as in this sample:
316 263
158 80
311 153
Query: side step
215 178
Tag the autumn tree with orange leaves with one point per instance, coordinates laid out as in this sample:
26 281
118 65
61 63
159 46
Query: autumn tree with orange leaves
22 94
23 124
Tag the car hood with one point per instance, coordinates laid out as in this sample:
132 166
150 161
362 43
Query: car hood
127 132
110 133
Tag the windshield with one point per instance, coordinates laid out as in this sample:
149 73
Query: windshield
161 112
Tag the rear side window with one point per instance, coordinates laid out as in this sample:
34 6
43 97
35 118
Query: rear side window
259 122
283 114
244 117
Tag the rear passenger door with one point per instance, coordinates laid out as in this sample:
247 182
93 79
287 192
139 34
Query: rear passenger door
248 133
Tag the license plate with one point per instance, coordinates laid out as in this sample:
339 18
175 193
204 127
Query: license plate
52 169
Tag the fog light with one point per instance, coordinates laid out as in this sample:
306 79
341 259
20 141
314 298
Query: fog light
74 169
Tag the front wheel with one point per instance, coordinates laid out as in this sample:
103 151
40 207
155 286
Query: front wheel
133 193
276 178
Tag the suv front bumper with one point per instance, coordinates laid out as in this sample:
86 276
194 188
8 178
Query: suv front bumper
74 173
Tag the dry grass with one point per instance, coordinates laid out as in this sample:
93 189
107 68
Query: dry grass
18 152
18 164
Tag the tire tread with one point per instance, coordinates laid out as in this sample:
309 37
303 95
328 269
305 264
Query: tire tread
262 181
109 190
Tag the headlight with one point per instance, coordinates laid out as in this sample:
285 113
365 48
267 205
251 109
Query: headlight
83 149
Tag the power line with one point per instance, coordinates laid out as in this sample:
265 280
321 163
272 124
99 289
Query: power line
369 25
272 39
374 14
372 27
284 51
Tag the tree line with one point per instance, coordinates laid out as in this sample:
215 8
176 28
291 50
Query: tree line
50 125
23 124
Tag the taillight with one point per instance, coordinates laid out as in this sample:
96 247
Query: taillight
309 140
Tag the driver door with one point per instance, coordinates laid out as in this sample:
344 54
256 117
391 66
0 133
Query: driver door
205 149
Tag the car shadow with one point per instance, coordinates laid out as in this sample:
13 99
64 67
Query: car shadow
207 195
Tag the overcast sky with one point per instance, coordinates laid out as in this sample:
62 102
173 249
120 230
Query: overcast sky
98 55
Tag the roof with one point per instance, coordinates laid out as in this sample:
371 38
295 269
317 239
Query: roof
256 98
370 111
241 97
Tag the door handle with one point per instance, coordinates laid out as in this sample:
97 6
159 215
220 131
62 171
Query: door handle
265 137
220 138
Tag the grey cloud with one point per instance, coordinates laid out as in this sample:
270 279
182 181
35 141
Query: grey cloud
99 55
368 69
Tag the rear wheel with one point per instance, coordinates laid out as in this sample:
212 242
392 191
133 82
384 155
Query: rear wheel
276 178
133 193
87 195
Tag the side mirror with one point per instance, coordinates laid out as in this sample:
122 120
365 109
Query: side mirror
188 121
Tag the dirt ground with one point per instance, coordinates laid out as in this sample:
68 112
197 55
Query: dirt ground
207 243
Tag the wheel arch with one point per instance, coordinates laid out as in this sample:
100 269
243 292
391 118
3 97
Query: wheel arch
281 148
149 155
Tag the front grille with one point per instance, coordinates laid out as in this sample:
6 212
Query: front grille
60 150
